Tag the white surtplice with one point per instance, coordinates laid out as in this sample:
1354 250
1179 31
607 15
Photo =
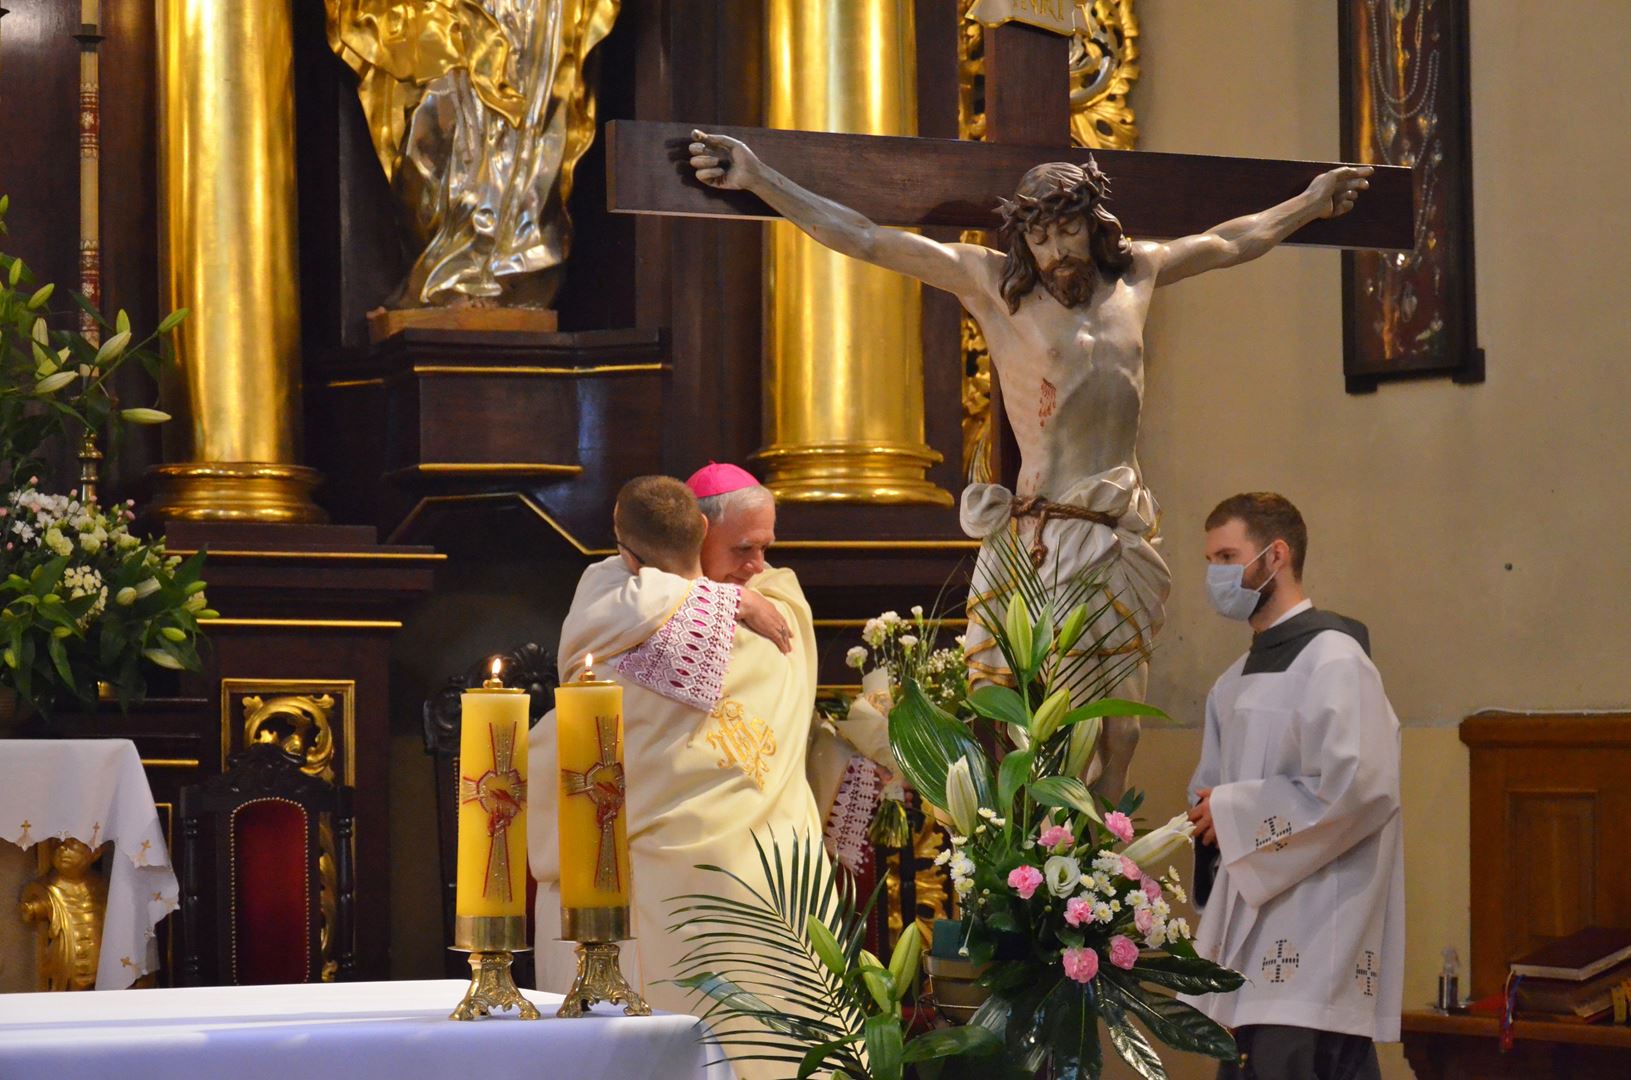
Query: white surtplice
1302 755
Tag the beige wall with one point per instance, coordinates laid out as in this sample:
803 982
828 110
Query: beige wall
1420 496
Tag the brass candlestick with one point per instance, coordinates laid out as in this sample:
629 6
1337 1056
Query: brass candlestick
600 978
492 942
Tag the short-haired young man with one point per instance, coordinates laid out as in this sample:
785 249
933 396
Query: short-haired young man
1296 798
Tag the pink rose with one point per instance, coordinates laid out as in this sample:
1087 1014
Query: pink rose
1024 880
1152 888
1078 911
1119 824
1130 870
1123 953
1081 964
1056 836
1144 919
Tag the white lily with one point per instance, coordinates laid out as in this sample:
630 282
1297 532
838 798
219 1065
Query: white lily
1159 845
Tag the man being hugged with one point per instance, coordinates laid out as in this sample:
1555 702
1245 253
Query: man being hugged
718 691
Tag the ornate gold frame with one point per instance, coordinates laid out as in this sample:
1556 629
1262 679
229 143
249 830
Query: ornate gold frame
344 689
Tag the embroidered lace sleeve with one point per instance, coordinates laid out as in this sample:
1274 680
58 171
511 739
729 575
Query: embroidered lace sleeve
686 659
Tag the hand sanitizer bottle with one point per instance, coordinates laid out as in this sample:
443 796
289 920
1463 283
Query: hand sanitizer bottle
1449 979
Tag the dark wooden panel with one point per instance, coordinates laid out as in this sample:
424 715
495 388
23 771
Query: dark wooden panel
1546 791
1027 86
1441 1047
920 182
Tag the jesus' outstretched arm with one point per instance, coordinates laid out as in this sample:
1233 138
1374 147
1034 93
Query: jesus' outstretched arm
727 163
1331 194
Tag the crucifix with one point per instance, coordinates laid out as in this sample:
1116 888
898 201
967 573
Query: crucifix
1062 309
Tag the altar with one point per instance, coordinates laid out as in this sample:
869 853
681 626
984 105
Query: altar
398 1030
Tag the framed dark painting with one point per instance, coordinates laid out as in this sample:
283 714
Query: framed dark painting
1406 101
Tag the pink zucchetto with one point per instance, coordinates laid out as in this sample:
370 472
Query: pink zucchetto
718 479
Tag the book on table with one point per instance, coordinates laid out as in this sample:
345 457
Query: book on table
1578 957
1584 999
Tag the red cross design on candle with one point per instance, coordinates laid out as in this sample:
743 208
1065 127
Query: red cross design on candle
603 784
502 795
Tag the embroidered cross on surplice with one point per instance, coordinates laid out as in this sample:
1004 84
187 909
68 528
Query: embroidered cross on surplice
1283 962
502 795
603 784
1366 973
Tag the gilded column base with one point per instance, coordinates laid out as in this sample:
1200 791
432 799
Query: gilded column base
852 472
492 987
599 978
235 491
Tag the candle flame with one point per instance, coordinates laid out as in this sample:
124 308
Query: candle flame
497 666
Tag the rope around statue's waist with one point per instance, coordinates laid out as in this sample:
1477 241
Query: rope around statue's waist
1044 511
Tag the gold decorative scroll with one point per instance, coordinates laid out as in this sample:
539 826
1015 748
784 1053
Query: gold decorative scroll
298 723
1103 68
479 111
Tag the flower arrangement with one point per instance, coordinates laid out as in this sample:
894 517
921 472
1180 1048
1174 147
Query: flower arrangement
909 649
87 602
83 601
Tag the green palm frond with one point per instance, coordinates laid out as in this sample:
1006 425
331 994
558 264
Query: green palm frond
769 996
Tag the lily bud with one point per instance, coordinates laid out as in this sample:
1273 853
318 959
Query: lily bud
125 596
1084 736
54 382
961 802
1047 718
41 295
1071 630
1159 846
112 348
1017 623
145 416
162 659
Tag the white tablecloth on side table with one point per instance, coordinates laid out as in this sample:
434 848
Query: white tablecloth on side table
355 1031
94 790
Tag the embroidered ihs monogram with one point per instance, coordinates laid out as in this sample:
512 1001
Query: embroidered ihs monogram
1366 973
1281 964
1274 830
747 744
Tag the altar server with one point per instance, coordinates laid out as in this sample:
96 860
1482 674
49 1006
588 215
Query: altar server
1297 794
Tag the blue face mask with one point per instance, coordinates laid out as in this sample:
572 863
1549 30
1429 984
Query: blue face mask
1229 596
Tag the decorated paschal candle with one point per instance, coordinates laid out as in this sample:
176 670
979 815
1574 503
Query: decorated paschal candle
590 814
492 879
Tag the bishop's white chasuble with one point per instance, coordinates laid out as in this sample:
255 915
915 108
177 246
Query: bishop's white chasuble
1301 752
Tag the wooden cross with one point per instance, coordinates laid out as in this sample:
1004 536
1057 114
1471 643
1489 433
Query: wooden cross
952 182
911 182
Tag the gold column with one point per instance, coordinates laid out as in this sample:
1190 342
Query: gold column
843 404
227 253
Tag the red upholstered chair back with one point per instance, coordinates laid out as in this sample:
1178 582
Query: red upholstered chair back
271 911
252 864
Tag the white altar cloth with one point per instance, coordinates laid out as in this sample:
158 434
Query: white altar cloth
313 1031
95 790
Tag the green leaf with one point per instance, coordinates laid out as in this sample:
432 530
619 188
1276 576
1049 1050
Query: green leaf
1134 1049
1066 792
1178 1025
59 659
1011 777
1186 975
818 1055
1112 707
1000 703
970 1041
884 1049
926 741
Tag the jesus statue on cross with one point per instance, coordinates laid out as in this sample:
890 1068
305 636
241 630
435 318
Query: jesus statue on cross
1062 308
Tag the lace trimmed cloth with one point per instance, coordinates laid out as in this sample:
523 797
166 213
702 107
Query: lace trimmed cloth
686 659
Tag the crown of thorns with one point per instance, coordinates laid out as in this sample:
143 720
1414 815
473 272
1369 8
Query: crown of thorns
1068 198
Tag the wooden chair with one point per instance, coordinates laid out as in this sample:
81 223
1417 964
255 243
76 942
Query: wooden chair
529 666
256 844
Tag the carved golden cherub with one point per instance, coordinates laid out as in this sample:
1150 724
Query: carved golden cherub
70 899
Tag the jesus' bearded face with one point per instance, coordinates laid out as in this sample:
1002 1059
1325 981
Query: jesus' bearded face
1064 261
